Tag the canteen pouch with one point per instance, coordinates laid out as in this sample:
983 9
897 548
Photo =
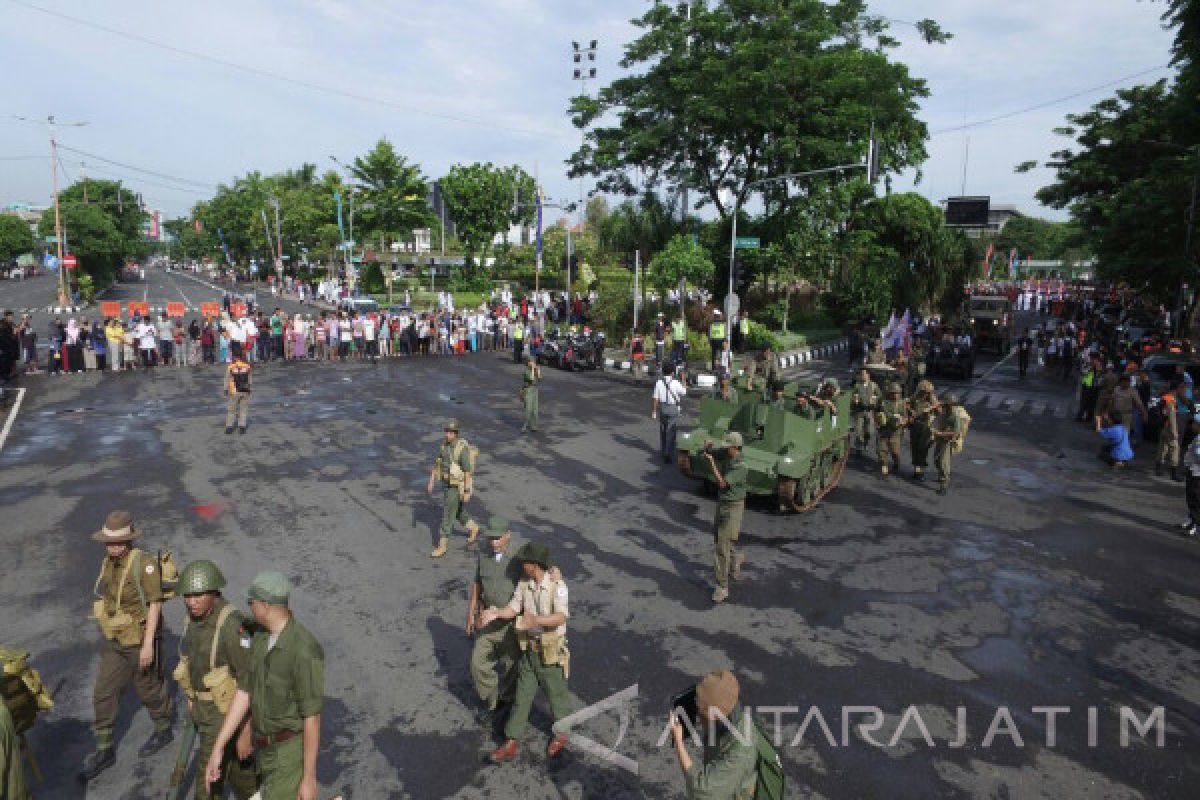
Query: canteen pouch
552 649
223 685
183 677
126 630
21 689
101 616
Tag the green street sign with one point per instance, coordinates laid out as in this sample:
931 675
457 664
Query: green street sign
51 239
747 243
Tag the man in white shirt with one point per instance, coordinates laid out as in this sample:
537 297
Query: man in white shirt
665 407
369 339
146 343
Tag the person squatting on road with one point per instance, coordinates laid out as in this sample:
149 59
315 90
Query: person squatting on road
454 468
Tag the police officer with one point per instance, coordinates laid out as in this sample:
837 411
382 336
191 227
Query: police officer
947 429
214 655
731 503
129 612
283 689
453 467
679 340
496 577
920 431
539 604
717 333
864 400
529 394
660 340
518 337
889 422
237 388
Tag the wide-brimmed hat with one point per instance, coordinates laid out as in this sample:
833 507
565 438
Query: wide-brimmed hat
118 529
451 425
534 552
718 689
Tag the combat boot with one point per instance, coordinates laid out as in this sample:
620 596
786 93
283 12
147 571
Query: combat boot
97 762
720 595
557 745
506 752
440 550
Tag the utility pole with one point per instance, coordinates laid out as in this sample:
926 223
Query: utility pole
583 74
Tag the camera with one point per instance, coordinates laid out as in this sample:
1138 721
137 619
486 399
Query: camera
685 701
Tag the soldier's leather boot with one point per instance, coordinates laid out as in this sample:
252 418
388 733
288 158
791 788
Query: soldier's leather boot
441 548
157 741
97 762
506 752
557 745
472 532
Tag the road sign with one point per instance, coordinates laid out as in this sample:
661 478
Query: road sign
747 243
51 239
69 261
733 304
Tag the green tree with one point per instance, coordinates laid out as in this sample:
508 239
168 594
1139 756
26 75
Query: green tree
681 260
15 237
393 192
1037 238
102 225
596 212
484 201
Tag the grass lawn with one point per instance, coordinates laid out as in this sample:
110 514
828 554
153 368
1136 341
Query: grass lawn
796 339
424 299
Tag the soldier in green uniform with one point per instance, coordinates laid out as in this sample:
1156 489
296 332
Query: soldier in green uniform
777 399
921 408
453 467
214 654
728 771
731 503
947 429
889 421
129 613
864 400
282 689
12 771
539 604
496 577
770 368
804 407
529 394
727 392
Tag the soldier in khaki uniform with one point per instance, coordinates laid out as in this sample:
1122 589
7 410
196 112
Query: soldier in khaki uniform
890 423
947 428
129 612
539 604
727 522
12 771
237 389
864 399
921 409
213 654
283 690
496 577
453 467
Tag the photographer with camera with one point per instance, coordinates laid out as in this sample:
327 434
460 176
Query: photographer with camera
665 407
729 769
730 478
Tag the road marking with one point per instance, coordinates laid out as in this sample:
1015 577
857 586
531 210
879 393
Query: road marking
12 415
995 400
997 365
1038 408
974 397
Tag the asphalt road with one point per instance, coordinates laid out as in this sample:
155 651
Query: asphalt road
1042 580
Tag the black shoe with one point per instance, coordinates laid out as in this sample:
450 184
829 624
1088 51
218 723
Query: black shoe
97 762
157 741
228 431
242 431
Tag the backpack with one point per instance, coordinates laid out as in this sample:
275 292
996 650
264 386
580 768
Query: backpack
21 689
771 782
168 574
472 453
964 425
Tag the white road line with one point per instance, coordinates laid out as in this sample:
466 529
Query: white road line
996 366
12 416
974 397
1038 408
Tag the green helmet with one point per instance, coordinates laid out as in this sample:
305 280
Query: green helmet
199 577
832 383
950 399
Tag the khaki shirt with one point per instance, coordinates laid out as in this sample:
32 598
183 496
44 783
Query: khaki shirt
922 409
286 683
544 598
233 644
145 570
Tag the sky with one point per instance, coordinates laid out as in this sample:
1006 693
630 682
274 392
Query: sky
485 80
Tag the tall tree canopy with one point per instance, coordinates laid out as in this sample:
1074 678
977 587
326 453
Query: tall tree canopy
102 225
484 201
393 192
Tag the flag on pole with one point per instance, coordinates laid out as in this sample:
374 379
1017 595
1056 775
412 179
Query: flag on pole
540 198
987 260
224 246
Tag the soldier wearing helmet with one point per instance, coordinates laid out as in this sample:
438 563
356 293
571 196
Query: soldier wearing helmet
730 477
214 657
921 408
453 466
890 420
948 432
864 399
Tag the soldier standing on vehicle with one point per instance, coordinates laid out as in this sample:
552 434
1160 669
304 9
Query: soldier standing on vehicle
496 577
283 690
214 655
730 478
529 394
454 468
237 389
771 369
947 432
129 612
889 421
864 399
920 427
539 604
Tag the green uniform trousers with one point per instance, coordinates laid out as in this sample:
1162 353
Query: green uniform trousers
889 449
237 407
281 767
531 409
240 776
453 509
727 526
532 673
861 422
495 646
941 457
119 666
12 770
1168 449
920 439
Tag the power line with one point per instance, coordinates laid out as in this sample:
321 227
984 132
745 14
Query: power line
1047 103
163 175
333 90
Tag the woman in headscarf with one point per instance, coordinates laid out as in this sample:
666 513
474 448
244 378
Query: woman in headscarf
73 362
99 342
299 337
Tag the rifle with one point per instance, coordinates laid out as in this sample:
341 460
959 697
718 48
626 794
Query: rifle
181 761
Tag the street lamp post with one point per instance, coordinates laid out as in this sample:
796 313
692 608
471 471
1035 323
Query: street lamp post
584 61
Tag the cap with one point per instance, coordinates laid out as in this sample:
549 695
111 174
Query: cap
118 529
718 689
497 527
534 552
732 439
451 425
270 587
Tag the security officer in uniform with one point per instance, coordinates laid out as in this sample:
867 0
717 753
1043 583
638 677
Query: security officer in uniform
283 689
731 503
237 388
496 577
214 654
518 337
947 428
453 467
660 340
539 604
529 394
921 408
864 400
716 338
129 612
889 421
678 340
